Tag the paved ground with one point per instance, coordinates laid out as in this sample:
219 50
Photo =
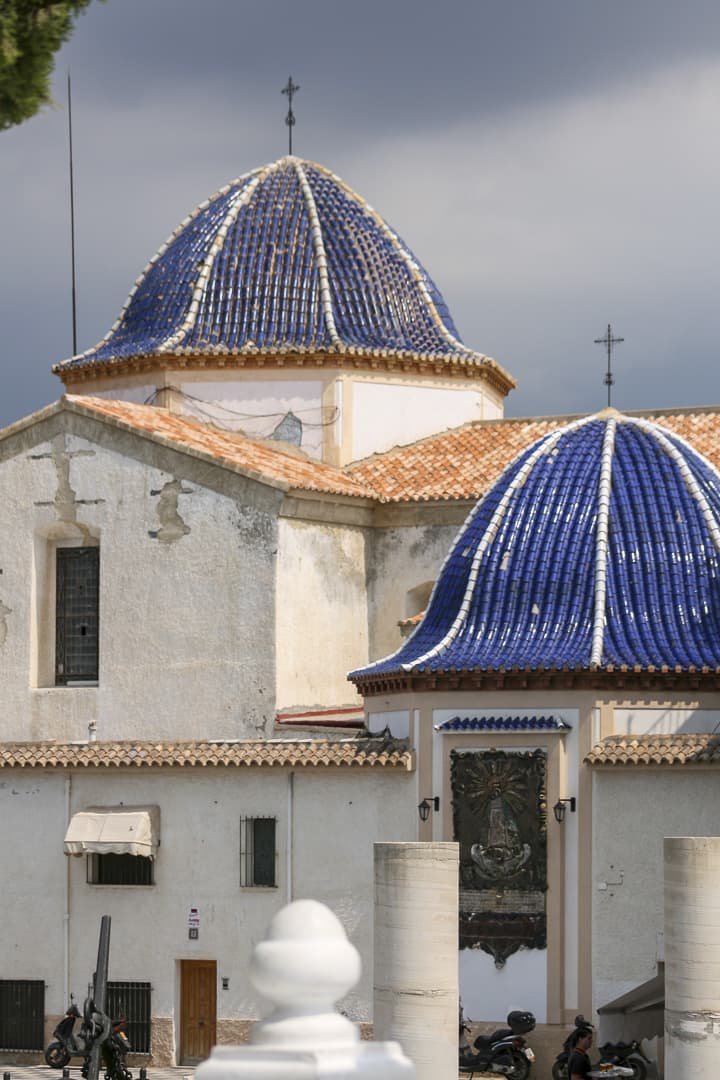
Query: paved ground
42 1072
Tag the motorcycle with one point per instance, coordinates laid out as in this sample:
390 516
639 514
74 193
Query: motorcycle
66 1042
98 1028
113 1041
504 1051
630 1057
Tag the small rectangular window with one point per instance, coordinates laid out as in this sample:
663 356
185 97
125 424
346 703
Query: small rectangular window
77 590
22 1014
120 870
257 852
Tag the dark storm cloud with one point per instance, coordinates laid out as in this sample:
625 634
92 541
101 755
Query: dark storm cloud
553 164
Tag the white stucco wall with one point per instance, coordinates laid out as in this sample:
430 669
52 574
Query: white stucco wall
321 613
386 414
186 583
198 865
669 721
633 810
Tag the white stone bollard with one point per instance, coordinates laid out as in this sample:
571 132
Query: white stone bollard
416 953
303 966
692 957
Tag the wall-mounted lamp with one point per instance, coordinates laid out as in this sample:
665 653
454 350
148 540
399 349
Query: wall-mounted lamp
428 804
560 809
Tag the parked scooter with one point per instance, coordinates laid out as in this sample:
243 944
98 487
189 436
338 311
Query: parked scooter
630 1057
96 1027
504 1051
66 1042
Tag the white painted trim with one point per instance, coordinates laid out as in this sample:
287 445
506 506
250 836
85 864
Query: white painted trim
601 542
208 262
691 483
320 253
546 446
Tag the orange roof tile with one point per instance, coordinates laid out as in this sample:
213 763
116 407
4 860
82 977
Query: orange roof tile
386 753
459 464
464 462
273 464
678 749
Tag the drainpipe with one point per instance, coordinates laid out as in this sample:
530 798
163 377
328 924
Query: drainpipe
290 837
66 916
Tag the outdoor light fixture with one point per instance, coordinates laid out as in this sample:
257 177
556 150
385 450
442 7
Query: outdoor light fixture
432 802
560 809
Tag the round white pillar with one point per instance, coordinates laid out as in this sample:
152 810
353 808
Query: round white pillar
416 954
692 956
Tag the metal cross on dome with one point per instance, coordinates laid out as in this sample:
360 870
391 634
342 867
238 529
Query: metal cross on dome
290 90
609 342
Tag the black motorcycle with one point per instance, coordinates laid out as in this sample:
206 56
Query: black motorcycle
504 1051
629 1056
66 1042
96 1028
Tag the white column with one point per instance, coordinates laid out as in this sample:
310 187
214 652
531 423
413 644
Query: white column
416 954
692 957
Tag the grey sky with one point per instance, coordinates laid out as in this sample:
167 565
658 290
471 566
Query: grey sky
554 164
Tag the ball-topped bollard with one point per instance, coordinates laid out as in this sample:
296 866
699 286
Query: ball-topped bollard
303 966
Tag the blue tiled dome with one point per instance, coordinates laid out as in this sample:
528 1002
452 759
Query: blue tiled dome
285 259
596 550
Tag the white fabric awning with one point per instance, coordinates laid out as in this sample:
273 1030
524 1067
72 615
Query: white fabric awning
118 830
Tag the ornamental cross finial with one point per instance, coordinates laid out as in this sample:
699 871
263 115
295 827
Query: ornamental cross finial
609 342
290 90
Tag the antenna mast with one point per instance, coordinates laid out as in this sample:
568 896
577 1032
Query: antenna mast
72 220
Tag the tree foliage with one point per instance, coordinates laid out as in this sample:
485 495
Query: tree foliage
31 32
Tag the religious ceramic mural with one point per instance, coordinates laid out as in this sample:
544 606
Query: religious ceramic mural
499 818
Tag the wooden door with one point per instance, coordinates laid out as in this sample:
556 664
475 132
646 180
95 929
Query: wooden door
198 984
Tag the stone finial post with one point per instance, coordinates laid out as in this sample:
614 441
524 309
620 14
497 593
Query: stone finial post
304 965
416 953
692 956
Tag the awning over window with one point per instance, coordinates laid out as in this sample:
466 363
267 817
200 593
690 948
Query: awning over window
118 830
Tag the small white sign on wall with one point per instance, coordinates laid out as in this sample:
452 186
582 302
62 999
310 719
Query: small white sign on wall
193 923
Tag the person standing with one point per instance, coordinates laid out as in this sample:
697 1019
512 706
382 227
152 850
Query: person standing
579 1060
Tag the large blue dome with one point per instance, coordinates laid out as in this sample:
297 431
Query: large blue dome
596 550
285 259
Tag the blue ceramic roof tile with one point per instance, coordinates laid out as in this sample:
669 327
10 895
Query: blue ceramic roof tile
598 547
504 723
285 259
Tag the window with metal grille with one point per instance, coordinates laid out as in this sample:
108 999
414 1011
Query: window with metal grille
22 1014
132 1000
120 870
257 851
77 589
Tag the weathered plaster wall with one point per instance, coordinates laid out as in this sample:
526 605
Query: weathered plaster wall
198 865
401 559
634 809
321 612
186 592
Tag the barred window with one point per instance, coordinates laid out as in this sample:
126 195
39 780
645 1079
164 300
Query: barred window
113 869
258 856
132 1000
22 1014
77 588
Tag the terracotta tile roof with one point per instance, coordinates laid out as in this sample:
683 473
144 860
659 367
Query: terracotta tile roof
464 462
679 749
263 460
461 463
353 753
